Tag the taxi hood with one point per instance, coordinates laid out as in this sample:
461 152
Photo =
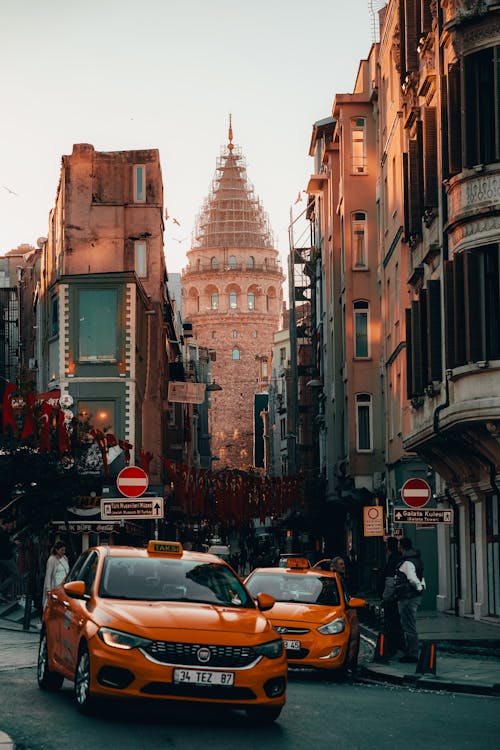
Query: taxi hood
312 613
186 616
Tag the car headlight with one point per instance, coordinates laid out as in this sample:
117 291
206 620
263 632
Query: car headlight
335 626
271 649
118 639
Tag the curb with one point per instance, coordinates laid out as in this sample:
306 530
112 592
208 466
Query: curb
428 683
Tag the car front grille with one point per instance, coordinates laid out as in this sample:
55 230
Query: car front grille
233 657
286 630
293 654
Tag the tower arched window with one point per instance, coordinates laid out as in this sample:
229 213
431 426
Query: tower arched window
251 301
250 261
233 300
235 334
235 353
214 301
232 262
213 263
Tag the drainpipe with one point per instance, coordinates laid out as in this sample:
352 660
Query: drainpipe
458 595
444 405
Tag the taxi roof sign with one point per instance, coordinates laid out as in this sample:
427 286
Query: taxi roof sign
165 548
297 562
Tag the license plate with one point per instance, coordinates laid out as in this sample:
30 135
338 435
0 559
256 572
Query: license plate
292 645
203 677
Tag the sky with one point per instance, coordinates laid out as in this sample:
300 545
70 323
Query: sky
161 74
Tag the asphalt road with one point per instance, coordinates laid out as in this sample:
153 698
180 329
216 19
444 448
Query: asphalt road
319 714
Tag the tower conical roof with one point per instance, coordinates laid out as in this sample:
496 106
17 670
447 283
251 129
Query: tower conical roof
231 215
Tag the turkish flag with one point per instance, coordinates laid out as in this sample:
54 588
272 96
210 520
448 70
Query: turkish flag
29 427
62 434
44 435
8 419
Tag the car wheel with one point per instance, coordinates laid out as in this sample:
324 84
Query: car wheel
47 680
84 701
261 715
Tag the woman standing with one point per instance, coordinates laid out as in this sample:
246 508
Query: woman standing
57 569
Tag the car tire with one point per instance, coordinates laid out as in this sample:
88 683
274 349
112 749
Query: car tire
85 703
47 680
262 716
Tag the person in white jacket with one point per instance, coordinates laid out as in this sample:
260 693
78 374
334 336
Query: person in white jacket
57 569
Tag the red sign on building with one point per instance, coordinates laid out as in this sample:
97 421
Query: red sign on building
132 481
415 493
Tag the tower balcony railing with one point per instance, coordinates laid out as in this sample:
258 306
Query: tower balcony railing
207 267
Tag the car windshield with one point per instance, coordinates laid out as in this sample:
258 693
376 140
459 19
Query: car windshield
171 579
293 587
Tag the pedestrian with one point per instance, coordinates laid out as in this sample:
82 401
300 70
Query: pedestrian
56 571
9 574
409 587
392 622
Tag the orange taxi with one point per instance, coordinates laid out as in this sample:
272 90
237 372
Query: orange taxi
314 615
161 623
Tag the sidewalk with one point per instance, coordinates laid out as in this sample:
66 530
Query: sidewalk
467 656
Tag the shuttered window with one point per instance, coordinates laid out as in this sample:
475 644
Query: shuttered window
482 106
430 157
454 120
434 339
409 360
415 188
459 309
449 312
412 34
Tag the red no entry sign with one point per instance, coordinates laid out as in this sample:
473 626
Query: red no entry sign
415 492
132 481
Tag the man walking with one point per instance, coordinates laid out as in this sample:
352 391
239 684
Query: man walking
409 586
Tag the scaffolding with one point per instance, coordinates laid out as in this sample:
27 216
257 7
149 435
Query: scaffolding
231 215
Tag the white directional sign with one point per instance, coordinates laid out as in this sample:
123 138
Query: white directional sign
139 507
422 515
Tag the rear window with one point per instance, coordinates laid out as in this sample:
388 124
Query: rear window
292 587
167 579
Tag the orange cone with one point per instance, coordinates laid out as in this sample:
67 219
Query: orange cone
427 659
381 653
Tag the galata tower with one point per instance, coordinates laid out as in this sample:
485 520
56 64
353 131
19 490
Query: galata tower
232 288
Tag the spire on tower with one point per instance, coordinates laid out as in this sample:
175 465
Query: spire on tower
230 134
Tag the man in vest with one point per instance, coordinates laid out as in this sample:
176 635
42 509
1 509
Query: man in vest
410 584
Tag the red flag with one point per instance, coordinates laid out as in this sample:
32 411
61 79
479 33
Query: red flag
29 427
170 466
126 448
145 457
8 413
44 436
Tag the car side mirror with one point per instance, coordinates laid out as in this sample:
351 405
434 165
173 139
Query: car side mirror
76 589
355 601
265 602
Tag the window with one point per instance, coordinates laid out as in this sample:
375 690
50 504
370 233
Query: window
54 316
264 369
358 239
358 145
282 355
251 301
482 107
232 263
361 329
140 259
98 324
214 301
213 263
251 262
100 414
139 183
235 334
283 429
233 300
235 353
363 422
